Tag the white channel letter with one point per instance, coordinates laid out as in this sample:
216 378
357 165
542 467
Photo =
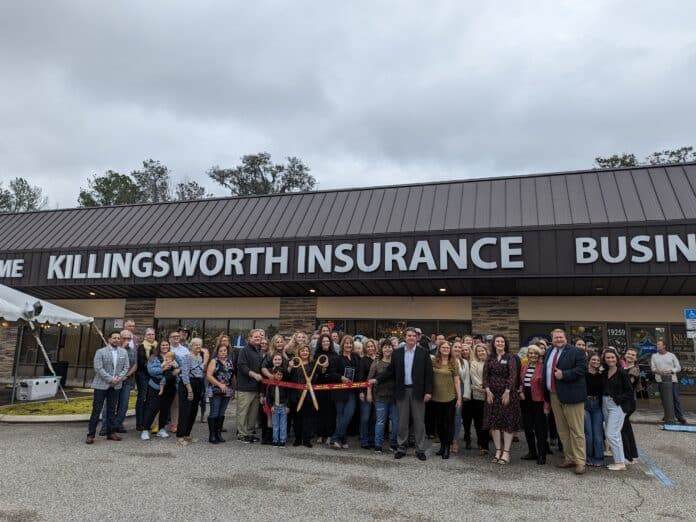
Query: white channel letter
142 264
507 252
476 253
586 250
394 252
422 254
606 251
341 255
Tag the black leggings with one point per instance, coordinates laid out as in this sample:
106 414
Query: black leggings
482 436
303 421
188 409
467 419
443 413
627 436
535 427
326 416
158 403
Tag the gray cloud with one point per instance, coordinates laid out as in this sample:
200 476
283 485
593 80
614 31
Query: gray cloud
366 93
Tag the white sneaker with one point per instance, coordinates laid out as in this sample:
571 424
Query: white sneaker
145 435
617 467
162 434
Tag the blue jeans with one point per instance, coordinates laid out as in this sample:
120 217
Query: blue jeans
367 434
109 423
614 416
280 424
141 380
386 411
344 412
218 405
123 396
594 433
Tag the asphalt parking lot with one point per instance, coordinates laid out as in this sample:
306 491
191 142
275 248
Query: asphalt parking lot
48 473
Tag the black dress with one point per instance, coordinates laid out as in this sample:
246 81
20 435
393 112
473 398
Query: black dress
498 376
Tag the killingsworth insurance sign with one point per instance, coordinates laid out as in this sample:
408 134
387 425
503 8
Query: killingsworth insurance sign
535 253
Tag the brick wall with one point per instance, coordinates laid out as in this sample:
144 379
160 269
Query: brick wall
8 345
297 313
496 315
142 311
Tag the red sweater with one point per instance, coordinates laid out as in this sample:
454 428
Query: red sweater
537 381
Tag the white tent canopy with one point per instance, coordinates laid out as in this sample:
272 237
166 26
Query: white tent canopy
16 305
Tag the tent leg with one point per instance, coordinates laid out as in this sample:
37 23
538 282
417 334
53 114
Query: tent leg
19 357
101 334
48 360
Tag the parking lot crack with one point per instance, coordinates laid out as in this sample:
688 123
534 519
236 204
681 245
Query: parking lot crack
636 507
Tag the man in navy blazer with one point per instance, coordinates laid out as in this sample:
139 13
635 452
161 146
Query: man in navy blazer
412 371
566 389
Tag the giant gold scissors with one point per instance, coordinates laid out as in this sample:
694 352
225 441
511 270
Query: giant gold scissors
308 379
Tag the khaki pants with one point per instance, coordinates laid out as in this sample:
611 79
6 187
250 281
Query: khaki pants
247 411
570 422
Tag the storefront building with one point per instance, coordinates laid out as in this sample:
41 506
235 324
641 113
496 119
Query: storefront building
608 255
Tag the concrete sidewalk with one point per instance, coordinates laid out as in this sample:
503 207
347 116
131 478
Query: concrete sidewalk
649 411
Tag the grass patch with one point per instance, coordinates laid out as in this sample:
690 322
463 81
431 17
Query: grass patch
56 407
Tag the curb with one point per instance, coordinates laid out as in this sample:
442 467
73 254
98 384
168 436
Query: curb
38 419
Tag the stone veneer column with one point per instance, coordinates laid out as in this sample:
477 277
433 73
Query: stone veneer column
142 311
497 315
297 313
8 347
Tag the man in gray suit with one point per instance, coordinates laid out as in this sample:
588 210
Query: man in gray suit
110 368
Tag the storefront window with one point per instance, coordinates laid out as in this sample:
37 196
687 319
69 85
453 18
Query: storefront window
617 337
165 326
531 331
214 329
270 326
380 328
593 335
451 329
194 326
643 339
390 328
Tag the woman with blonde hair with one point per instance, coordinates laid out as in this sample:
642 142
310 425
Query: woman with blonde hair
277 345
479 355
447 395
462 416
533 404
367 409
298 339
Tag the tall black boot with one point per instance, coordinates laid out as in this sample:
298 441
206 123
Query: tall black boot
218 433
441 451
446 452
212 430
266 435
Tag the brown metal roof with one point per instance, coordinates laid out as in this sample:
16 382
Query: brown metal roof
587 198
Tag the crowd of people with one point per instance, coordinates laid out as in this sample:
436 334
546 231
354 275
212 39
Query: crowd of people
391 392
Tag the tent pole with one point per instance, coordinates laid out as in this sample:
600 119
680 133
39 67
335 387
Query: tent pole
47 359
101 334
19 357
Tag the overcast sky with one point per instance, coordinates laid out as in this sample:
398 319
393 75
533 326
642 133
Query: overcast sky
366 93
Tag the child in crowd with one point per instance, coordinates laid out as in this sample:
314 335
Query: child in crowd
277 398
168 376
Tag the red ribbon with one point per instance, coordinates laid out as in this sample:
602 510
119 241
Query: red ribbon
317 387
